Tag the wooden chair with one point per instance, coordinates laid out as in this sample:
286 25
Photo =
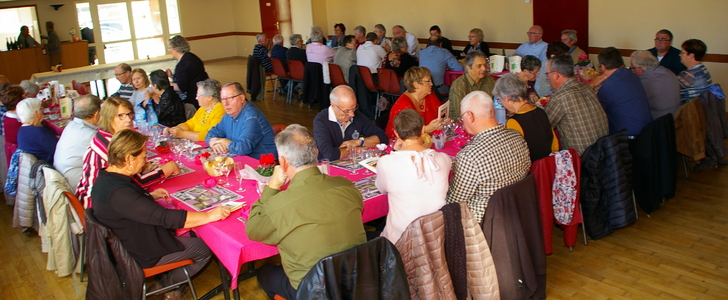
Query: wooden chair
296 71
280 72
337 76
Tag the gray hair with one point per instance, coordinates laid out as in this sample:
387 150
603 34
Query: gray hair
26 109
571 33
316 34
260 37
30 87
297 145
479 103
644 59
238 87
470 58
360 29
210 87
510 86
295 38
86 106
400 27
399 42
530 63
381 27
277 39
179 44
335 95
563 64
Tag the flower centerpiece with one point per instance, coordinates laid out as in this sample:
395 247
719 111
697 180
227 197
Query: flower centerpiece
266 164
583 60
462 139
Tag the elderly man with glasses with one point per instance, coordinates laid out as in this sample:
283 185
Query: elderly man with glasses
341 128
536 47
123 75
668 55
243 130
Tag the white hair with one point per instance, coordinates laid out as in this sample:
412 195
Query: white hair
316 34
479 103
26 109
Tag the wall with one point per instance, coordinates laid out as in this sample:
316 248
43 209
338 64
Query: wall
303 18
205 18
246 19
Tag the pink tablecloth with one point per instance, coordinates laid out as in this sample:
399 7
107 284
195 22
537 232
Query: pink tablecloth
227 238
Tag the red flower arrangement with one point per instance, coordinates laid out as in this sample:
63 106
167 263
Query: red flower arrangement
267 163
201 157
162 148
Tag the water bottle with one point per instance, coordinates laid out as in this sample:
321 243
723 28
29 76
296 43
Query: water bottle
151 115
140 118
500 111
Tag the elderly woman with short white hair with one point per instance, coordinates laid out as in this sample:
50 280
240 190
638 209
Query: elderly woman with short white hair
33 138
189 70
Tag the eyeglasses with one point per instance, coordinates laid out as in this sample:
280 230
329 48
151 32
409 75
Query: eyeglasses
463 116
424 81
119 74
662 40
229 98
122 116
347 111
472 36
547 73
530 32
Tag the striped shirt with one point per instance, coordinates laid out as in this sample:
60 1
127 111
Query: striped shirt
575 111
495 158
125 91
693 82
96 159
261 53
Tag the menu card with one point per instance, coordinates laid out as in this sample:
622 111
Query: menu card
200 198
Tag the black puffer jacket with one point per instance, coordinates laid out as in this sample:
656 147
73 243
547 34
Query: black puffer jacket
373 270
606 182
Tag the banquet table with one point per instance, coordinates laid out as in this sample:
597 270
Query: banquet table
227 238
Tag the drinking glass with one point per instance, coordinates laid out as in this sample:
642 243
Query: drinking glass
239 167
217 166
353 156
226 168
325 166
366 154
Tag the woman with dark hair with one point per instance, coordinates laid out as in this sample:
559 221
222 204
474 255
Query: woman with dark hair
419 96
399 59
189 69
142 225
166 103
10 97
115 115
530 68
415 177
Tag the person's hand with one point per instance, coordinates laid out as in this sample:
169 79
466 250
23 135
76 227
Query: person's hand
219 145
598 81
169 73
534 98
147 96
350 144
433 125
173 131
160 193
278 178
170 169
219 213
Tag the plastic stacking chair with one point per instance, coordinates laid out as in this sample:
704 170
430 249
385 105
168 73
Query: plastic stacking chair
296 71
78 207
277 128
156 270
368 79
280 72
337 76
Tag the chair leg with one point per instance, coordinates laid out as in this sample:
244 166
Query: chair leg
634 201
189 282
685 165
289 95
275 89
583 227
82 258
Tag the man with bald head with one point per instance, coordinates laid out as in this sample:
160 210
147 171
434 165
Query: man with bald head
536 47
496 157
341 127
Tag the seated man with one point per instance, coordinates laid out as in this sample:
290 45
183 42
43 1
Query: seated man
536 47
278 51
369 54
123 75
696 78
412 43
243 130
360 35
76 137
667 55
341 127
568 37
495 158
446 43
438 60
474 79
574 108
622 95
660 84
317 215
261 51
296 51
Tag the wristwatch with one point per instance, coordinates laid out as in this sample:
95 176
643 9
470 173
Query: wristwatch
362 141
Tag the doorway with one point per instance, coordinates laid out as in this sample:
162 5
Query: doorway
275 18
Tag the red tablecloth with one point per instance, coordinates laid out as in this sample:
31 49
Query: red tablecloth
227 238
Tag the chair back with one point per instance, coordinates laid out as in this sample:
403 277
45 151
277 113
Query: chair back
336 75
296 69
372 270
366 75
277 128
190 111
278 68
388 81
77 206
450 76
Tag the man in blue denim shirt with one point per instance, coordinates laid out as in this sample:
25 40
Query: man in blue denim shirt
244 130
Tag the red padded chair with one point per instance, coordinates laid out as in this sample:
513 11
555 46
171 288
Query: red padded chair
277 128
280 72
296 72
368 78
78 207
337 76
450 76
156 270
388 82
79 87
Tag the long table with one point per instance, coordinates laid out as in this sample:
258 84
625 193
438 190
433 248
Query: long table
227 238
102 71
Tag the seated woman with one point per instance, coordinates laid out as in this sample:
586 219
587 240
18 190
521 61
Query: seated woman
418 81
10 96
141 224
140 81
116 114
531 121
33 138
415 177
475 42
530 68
346 55
167 105
207 116
399 59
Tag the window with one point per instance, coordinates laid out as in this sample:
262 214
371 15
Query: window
11 19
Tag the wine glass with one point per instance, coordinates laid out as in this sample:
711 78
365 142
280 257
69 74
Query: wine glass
239 167
176 148
226 168
217 166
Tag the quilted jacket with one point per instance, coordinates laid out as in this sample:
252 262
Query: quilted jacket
423 253
24 213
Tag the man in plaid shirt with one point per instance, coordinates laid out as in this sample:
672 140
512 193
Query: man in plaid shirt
574 108
496 157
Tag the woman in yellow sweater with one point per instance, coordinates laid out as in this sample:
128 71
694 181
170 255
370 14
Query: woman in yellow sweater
207 116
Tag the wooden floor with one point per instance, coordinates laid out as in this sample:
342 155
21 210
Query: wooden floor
679 252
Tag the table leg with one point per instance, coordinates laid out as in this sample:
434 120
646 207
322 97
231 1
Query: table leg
224 285
250 273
